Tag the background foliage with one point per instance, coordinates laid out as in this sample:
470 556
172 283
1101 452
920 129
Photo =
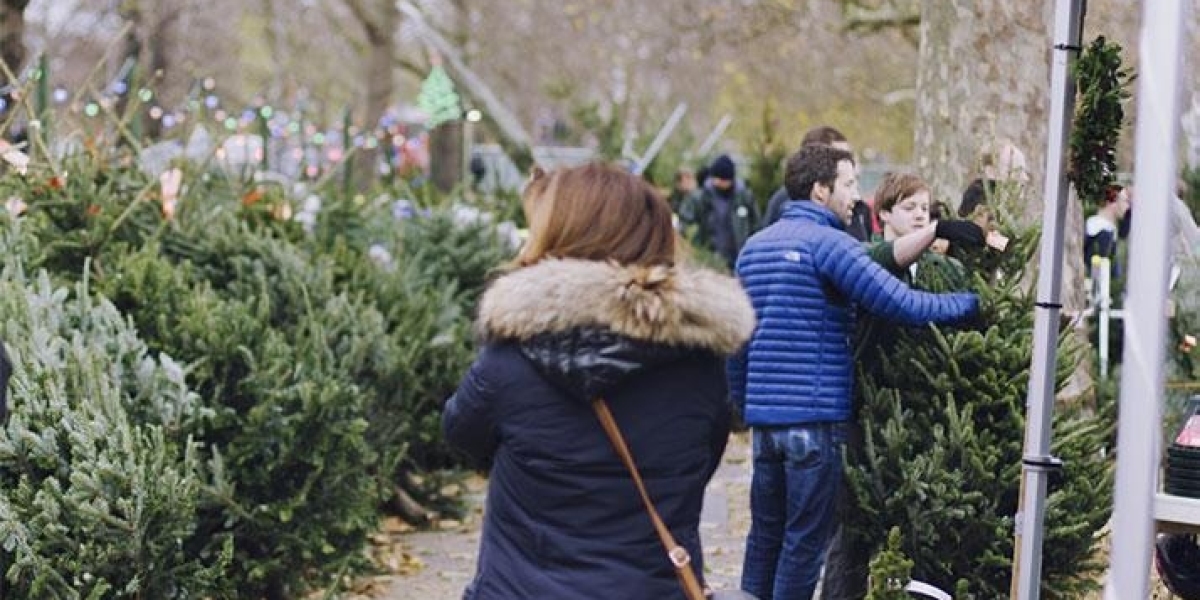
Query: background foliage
313 366
942 413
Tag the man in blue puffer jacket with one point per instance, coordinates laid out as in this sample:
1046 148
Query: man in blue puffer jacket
806 277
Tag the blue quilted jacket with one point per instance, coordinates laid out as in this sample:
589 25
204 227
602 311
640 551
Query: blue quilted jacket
805 277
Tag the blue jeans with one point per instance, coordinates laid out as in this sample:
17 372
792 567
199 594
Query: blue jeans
797 478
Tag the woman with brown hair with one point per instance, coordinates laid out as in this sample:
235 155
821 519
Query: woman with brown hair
595 305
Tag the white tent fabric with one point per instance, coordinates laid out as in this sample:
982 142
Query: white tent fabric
1142 376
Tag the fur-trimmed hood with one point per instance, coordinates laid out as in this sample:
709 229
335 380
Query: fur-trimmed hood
660 305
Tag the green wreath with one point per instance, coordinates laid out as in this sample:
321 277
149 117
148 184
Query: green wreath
1103 86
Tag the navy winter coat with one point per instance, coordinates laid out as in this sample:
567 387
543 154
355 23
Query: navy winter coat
805 277
563 519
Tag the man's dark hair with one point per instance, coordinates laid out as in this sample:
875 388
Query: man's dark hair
810 165
823 135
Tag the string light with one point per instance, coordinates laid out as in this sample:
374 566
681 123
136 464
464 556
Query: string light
314 150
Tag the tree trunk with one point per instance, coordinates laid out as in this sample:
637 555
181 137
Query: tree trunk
446 145
445 155
984 75
12 34
381 61
162 40
131 12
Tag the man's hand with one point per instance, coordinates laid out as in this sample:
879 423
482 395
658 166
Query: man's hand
963 233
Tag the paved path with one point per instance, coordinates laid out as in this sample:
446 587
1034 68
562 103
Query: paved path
437 565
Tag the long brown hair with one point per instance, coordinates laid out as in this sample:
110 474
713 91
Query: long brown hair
596 212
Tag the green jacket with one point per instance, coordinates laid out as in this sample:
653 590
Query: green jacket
933 273
722 234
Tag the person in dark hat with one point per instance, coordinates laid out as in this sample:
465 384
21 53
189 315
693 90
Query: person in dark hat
723 215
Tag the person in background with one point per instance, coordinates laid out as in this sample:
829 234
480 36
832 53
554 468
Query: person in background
595 305
723 215
793 382
683 188
1185 235
1100 230
861 226
701 175
1001 162
478 169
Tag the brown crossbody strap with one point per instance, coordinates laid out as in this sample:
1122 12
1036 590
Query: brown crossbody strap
677 554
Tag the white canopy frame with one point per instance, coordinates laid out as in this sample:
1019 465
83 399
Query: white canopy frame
1139 429
1142 378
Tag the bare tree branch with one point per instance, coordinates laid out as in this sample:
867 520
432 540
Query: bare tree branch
903 16
368 21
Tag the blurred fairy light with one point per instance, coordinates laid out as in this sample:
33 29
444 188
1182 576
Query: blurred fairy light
60 95
92 109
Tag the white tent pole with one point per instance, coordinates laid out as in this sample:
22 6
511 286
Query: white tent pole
1142 373
1037 461
656 146
1104 322
710 141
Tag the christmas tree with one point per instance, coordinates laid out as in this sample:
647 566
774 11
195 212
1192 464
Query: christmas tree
890 570
942 412
438 99
101 487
